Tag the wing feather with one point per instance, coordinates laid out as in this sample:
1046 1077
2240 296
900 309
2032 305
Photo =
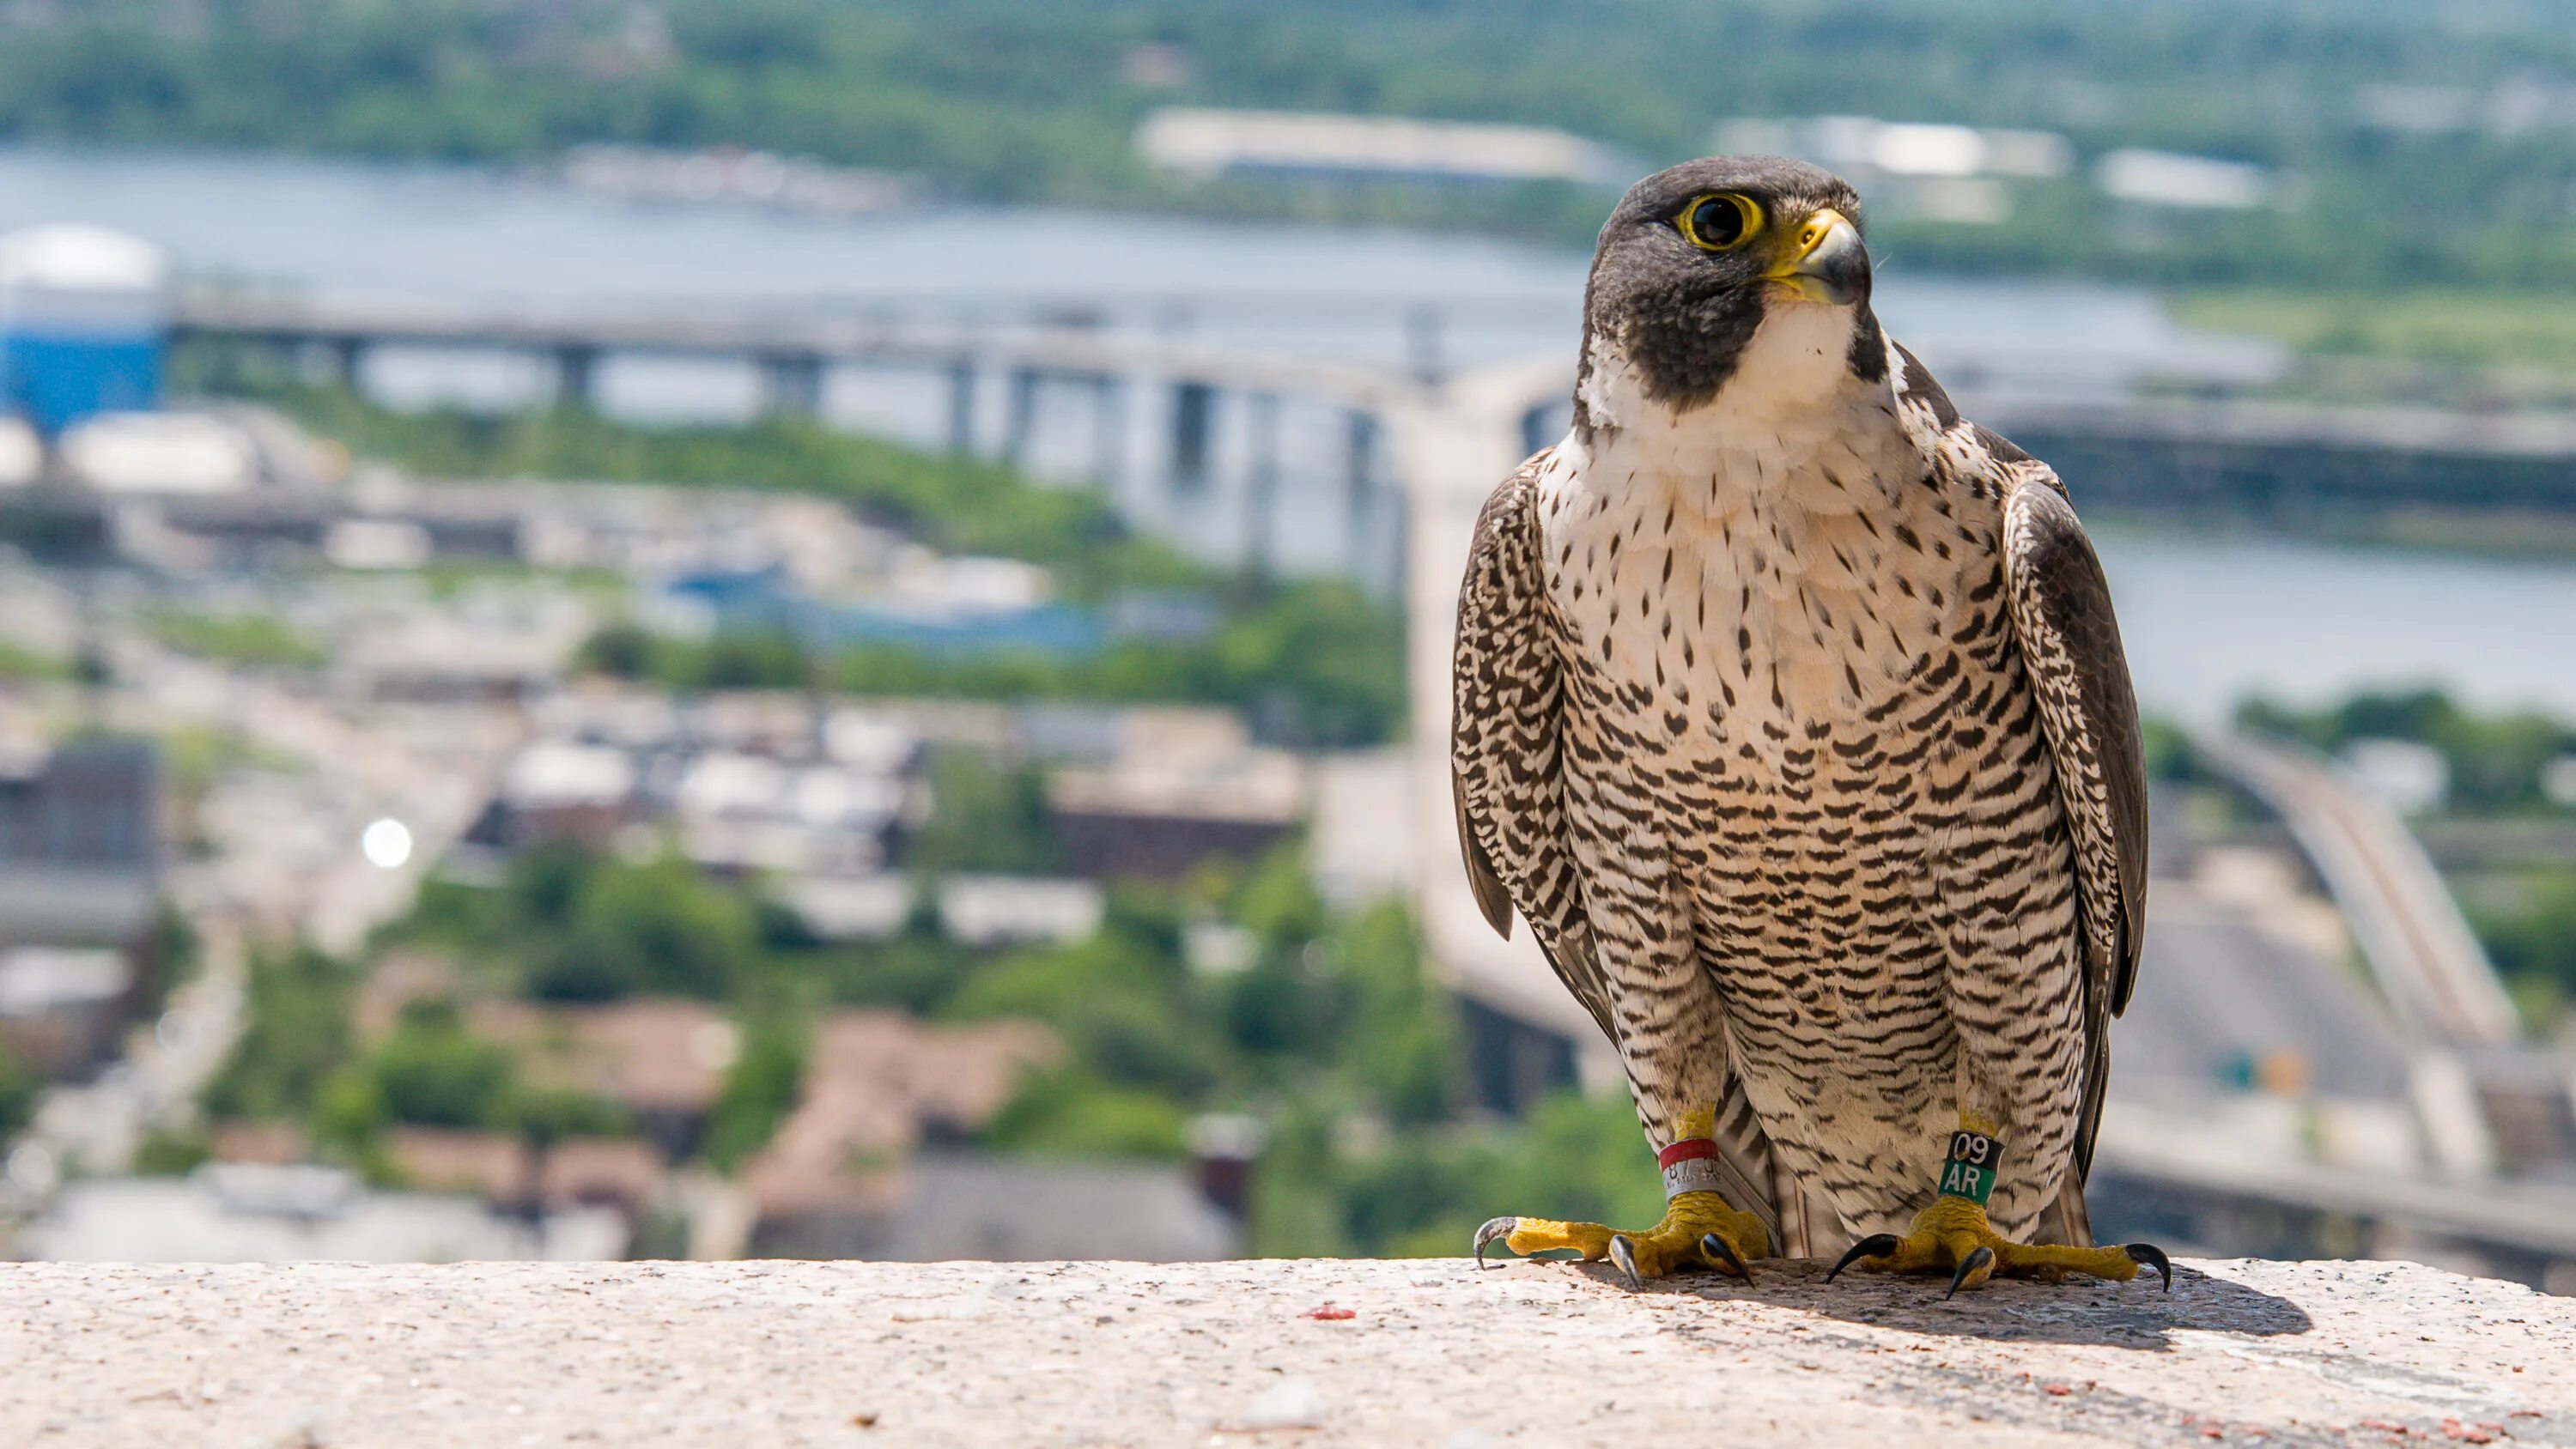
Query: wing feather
1503 744
2069 641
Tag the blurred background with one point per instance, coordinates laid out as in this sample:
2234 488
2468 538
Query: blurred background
774 627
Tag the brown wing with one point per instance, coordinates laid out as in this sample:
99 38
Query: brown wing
1503 744
2070 643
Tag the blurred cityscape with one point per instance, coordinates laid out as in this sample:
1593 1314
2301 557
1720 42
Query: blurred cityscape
689 686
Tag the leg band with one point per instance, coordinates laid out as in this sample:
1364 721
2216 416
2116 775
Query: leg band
1969 1171
1690 1165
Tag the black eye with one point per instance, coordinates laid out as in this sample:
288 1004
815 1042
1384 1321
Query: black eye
1716 223
1719 223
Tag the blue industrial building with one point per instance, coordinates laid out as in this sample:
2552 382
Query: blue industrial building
84 320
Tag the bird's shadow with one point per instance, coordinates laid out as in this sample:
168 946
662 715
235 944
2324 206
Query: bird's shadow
2133 1315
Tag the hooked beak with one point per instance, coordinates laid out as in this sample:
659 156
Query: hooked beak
1824 261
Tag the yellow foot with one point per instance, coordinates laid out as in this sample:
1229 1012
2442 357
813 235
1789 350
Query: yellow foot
1698 1231
1953 1233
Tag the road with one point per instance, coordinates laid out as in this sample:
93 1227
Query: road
2421 950
2218 988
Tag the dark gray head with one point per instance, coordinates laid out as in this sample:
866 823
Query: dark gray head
1696 257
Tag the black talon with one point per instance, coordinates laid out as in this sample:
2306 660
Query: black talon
1713 1246
1493 1228
1876 1245
2154 1257
1978 1257
1624 1253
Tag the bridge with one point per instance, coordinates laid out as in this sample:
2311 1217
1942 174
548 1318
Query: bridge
2427 963
2289 462
1219 411
1215 415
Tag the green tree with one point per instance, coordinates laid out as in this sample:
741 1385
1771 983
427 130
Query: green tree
622 649
657 927
762 1086
2537 941
2494 761
1071 1113
296 1036
432 1072
20 1087
984 816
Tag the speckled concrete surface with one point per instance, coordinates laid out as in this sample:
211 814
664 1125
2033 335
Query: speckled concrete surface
862 1354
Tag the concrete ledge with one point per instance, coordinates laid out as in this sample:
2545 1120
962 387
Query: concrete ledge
1110 1353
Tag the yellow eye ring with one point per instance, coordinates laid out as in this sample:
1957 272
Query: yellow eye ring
1705 222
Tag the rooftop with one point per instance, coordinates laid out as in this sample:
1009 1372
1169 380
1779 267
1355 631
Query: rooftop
1431 1352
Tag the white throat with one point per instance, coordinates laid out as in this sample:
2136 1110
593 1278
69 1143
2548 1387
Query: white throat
1791 408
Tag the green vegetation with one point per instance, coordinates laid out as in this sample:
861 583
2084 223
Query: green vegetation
760 1089
195 756
2523 328
167 1153
296 1037
253 641
1332 1035
997 100
570 926
1421 1194
299 1061
1333 1038
2533 945
984 817
19 1089
2523 908
1315 662
2495 761
433 1072
1311 662
955 505
22 665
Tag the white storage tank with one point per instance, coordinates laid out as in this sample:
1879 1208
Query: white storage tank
84 316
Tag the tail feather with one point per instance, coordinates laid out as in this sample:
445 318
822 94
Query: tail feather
2066 1220
1746 1168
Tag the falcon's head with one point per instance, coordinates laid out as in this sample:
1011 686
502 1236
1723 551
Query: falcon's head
1697 259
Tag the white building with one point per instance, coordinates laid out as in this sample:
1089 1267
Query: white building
236 1212
1936 172
2172 179
1191 141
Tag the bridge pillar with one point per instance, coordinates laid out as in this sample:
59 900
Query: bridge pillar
961 406
345 360
791 384
1108 429
577 376
1376 561
1422 342
1360 454
1020 419
1261 486
1193 434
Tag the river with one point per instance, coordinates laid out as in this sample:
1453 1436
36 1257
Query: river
2207 621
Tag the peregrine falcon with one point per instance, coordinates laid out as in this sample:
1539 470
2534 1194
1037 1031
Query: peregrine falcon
1791 715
